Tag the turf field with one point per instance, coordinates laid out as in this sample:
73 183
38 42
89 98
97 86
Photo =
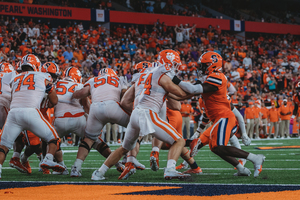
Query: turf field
281 166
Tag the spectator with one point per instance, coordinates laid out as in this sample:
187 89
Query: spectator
235 75
249 119
272 84
257 119
285 112
247 62
186 111
68 55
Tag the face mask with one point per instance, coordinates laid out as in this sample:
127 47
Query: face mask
23 43
131 42
53 61
75 61
25 40
67 61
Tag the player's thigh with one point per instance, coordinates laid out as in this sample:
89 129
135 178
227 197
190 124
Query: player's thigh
163 130
176 122
60 126
117 115
11 130
3 115
131 134
80 126
31 138
205 136
95 121
39 126
221 131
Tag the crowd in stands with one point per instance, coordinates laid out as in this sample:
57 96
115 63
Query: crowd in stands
263 68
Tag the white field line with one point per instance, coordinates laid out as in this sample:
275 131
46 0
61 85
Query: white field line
150 183
267 160
231 169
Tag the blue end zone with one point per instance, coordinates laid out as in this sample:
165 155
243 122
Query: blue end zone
185 189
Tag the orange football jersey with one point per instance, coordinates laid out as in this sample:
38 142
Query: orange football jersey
216 103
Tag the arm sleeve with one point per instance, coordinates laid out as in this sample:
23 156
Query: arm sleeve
190 88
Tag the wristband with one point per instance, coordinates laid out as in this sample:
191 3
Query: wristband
176 80
49 88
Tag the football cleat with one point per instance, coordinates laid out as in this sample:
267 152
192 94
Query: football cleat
129 170
183 165
46 171
49 164
139 165
258 165
26 165
120 167
242 161
244 172
171 173
75 172
66 172
194 171
15 163
154 161
97 176
194 147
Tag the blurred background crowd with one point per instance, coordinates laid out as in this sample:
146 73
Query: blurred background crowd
263 68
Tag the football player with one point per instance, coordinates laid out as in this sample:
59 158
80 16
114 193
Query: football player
28 90
214 93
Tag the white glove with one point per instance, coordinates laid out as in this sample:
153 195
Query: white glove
196 135
246 140
248 121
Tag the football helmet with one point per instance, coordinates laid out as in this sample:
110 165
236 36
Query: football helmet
52 69
31 61
6 68
169 58
108 72
210 61
18 67
74 74
138 68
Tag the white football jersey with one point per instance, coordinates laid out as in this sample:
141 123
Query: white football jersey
104 88
5 90
64 91
153 95
28 89
139 84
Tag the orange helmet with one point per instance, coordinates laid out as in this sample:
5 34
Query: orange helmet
74 74
107 71
50 67
6 68
31 61
210 61
141 66
169 58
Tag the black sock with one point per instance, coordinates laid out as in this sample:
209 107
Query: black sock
194 165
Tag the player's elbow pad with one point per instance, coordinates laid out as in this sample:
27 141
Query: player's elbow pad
190 88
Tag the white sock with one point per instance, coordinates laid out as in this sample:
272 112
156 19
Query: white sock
40 157
62 163
251 157
78 164
240 120
171 163
16 154
130 159
49 156
239 167
234 142
185 163
155 149
24 158
103 169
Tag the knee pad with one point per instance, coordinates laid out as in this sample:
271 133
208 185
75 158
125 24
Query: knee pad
3 151
102 146
140 140
54 141
85 145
